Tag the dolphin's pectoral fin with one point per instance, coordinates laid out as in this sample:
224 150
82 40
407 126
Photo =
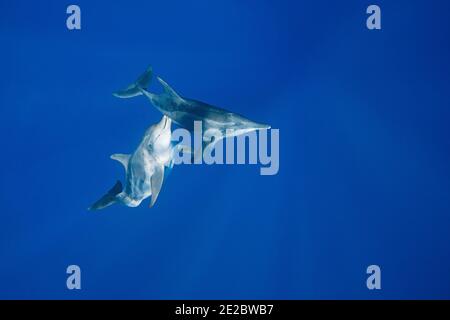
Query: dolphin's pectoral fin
156 183
183 148
209 140
175 152
208 145
109 198
168 90
122 158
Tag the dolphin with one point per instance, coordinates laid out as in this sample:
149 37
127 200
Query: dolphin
184 111
144 168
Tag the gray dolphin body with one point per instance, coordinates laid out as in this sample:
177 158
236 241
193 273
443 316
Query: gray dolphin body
144 168
184 111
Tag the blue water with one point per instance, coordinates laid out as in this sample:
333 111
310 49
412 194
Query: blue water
364 150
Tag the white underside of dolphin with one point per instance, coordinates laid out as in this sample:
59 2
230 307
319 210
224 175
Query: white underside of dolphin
144 169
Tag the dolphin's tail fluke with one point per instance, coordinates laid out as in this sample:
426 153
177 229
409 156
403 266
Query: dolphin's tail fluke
136 88
109 198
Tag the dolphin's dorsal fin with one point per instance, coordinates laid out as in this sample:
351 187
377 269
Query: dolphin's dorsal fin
156 183
122 158
168 90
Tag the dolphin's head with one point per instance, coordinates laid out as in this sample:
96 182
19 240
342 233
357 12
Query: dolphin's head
160 134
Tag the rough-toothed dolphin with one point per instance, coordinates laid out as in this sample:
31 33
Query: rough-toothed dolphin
184 111
144 168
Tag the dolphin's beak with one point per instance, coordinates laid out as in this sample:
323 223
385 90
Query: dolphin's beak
165 123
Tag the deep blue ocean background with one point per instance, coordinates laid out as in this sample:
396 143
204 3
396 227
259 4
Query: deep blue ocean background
364 150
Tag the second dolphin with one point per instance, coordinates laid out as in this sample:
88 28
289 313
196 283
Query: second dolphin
144 168
185 111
